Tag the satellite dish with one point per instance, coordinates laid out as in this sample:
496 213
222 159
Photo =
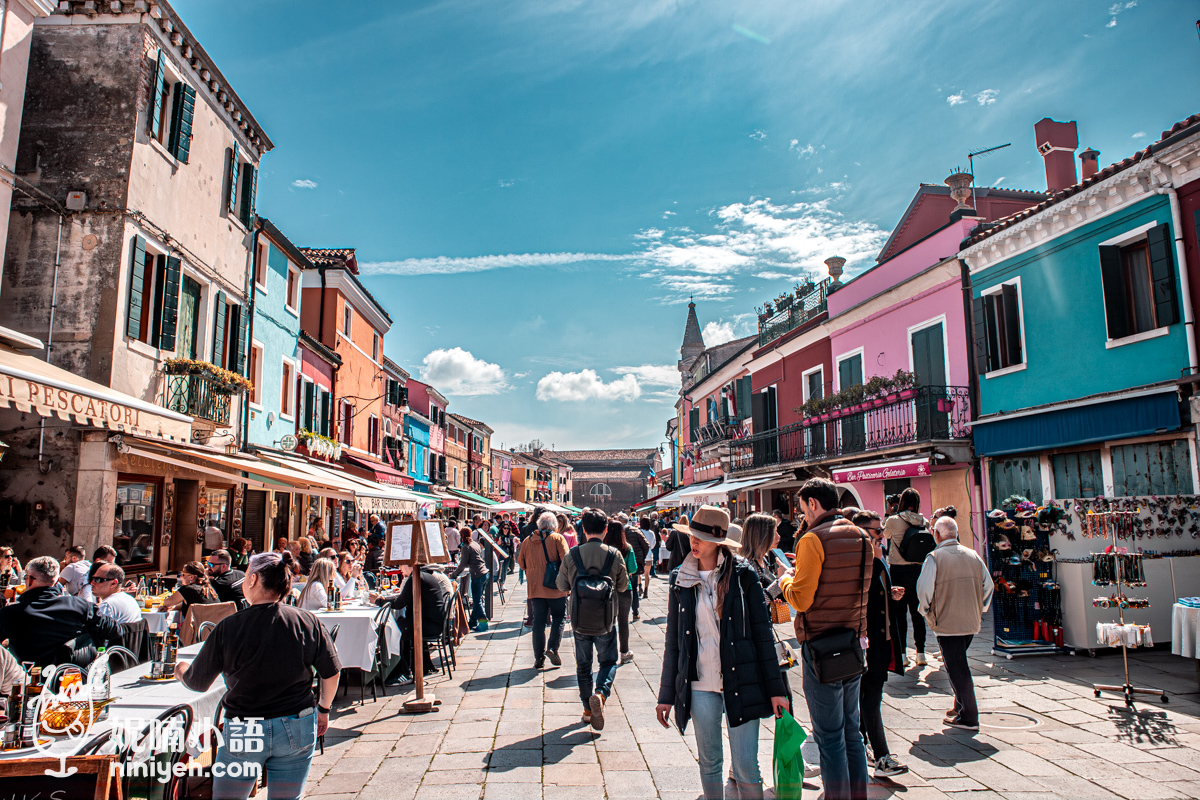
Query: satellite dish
288 442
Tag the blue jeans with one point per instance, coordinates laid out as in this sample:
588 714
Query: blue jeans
478 587
833 710
606 653
708 711
282 748
552 611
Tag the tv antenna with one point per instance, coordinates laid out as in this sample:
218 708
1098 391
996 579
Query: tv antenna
971 160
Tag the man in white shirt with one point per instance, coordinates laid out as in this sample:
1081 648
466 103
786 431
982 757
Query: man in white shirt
114 603
104 555
75 570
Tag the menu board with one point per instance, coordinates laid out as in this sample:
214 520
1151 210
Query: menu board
399 549
435 542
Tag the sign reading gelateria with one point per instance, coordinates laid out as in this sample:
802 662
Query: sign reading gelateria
913 468
31 385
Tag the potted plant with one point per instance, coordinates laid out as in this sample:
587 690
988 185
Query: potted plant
805 287
763 316
222 380
783 302
905 383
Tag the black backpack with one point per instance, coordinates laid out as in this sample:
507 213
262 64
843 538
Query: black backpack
593 605
916 544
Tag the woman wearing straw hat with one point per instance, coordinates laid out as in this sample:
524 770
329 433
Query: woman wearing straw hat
720 654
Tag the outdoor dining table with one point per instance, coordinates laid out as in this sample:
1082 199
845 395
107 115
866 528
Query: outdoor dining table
156 621
137 703
357 634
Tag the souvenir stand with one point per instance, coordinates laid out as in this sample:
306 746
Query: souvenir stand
1027 602
415 543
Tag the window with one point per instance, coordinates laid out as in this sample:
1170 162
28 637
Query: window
308 410
286 390
1020 475
1077 474
999 331
152 305
1139 284
293 289
347 320
174 132
374 346
135 533
347 423
373 434
262 266
454 471
230 329
255 374
1152 468
241 187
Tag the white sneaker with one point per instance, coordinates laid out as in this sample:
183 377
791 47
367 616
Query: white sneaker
626 658
921 662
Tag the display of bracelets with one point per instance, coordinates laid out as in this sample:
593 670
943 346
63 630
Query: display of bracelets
1120 601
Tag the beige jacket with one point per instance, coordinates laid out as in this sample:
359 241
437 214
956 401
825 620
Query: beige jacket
894 530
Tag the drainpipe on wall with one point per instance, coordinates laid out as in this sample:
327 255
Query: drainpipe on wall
978 520
1189 321
252 291
45 466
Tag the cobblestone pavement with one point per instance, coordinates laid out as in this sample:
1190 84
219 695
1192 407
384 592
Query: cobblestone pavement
507 731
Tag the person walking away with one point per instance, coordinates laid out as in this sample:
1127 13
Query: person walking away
905 572
787 531
471 560
615 537
954 590
272 717
720 658
547 602
884 650
641 548
648 561
828 587
680 544
591 574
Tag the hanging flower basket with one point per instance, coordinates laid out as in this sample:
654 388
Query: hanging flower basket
321 446
222 380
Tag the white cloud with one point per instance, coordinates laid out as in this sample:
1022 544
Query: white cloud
987 97
1117 8
956 99
1112 23
999 181
720 331
444 265
652 374
1139 135
758 135
503 184
757 237
304 183
586 385
456 371
803 152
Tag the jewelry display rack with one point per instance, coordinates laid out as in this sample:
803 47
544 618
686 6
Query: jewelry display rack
1115 526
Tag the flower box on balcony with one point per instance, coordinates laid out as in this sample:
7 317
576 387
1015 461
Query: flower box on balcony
875 402
893 397
854 409
945 405
825 417
908 394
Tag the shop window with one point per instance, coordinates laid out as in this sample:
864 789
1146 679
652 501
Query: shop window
1152 468
1021 475
216 514
1078 475
135 532
1139 284
893 486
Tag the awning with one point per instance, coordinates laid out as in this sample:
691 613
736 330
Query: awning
884 470
650 501
572 509
472 499
446 500
512 505
381 473
29 384
745 484
699 494
1081 424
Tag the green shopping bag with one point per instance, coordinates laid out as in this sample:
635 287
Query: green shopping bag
787 763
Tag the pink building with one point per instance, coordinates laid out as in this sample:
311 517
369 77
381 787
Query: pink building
429 402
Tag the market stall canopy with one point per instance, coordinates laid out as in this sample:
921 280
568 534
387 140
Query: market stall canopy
746 484
29 384
700 494
511 505
650 502
370 497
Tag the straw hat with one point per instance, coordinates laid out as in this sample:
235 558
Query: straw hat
710 524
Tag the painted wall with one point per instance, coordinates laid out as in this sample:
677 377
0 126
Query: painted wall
277 329
418 449
787 374
1065 330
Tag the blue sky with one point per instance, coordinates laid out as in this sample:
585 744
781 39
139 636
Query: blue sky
535 187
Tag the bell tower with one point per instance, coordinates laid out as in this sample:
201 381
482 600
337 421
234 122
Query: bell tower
693 341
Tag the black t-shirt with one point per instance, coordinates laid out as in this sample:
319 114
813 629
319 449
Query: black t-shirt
194 594
266 653
228 586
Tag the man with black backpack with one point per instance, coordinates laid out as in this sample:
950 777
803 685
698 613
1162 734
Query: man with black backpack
590 573
910 541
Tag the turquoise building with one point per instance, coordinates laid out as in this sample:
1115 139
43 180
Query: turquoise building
1079 309
276 367
416 431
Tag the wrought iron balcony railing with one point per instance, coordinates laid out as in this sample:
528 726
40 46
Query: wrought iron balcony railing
798 312
199 396
922 414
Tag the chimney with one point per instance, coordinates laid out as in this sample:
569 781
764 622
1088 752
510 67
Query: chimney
1056 141
1089 163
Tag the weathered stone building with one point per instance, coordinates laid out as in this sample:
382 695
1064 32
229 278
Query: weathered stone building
611 480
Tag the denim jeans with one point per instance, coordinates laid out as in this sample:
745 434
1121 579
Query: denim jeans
282 748
833 710
478 587
606 652
708 713
552 610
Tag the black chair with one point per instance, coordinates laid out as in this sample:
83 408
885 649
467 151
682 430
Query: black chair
135 637
147 786
204 630
442 642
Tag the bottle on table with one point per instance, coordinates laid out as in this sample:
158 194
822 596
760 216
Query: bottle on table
101 689
170 650
156 664
330 598
29 713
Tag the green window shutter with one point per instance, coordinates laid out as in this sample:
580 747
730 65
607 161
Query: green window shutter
249 187
1012 323
243 339
137 279
310 406
693 424
182 112
175 130
1116 309
980 313
233 316
170 304
231 199
218 348
157 85
326 412
1162 274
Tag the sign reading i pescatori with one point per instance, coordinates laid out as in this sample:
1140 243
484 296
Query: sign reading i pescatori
44 398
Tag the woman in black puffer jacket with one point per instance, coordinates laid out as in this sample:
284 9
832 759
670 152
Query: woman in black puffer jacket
720 658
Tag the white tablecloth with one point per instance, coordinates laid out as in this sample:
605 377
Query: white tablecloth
357 634
138 702
156 621
1185 631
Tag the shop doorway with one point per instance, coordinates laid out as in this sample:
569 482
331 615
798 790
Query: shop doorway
255 527
279 525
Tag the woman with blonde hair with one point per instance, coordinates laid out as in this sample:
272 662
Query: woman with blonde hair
760 535
305 556
316 592
567 530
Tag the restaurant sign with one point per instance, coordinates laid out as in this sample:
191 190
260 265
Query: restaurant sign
913 468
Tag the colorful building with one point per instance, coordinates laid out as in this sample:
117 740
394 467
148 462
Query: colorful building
431 405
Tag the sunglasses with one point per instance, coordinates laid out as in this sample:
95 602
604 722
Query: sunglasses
99 579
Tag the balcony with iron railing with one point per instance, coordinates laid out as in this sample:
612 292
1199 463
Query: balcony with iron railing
440 477
720 429
909 417
200 396
797 311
